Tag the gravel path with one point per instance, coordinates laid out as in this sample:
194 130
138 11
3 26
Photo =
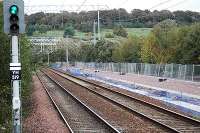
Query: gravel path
43 118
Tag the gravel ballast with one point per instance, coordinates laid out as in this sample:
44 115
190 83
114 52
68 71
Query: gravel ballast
43 117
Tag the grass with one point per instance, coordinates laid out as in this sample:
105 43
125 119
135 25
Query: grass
131 31
55 33
138 31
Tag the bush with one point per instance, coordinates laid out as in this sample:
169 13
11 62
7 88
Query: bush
69 32
109 35
120 31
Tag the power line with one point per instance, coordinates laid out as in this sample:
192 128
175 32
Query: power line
123 3
81 5
159 4
179 3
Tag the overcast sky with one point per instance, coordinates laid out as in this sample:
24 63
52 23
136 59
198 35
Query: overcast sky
172 5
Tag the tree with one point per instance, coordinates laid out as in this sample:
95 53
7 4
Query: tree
189 45
30 30
128 51
164 43
104 50
120 31
147 49
5 92
41 28
109 18
87 53
69 32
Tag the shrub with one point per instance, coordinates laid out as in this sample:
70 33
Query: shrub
120 31
109 35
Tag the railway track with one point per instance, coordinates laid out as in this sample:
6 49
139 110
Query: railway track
76 115
119 116
172 121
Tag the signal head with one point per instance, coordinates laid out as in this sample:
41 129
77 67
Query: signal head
14 9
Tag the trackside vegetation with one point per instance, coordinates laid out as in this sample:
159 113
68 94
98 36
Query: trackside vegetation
167 42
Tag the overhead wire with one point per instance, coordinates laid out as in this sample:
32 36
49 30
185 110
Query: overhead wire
156 5
177 4
159 4
84 1
130 20
122 3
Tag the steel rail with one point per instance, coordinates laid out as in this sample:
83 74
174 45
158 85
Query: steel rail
156 107
55 105
112 129
195 121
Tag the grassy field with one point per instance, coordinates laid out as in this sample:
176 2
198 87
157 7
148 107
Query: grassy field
55 33
78 34
131 31
139 31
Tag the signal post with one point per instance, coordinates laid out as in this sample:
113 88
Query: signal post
13 11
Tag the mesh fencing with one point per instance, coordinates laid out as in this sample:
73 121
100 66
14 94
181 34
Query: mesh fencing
175 71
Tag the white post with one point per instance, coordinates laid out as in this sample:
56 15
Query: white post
185 72
16 103
94 30
179 71
193 73
172 70
67 51
67 56
99 34
159 71
48 57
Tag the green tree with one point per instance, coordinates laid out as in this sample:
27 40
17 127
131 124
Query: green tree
147 49
5 92
104 50
128 51
164 42
69 31
87 53
42 28
30 30
189 45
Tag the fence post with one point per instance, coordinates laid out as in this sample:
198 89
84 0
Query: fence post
193 73
159 71
185 72
179 69
172 70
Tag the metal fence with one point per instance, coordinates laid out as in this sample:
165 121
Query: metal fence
176 71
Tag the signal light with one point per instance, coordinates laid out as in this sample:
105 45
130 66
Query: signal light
13 12
14 27
13 9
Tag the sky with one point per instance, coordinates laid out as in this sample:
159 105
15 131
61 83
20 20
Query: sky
32 5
